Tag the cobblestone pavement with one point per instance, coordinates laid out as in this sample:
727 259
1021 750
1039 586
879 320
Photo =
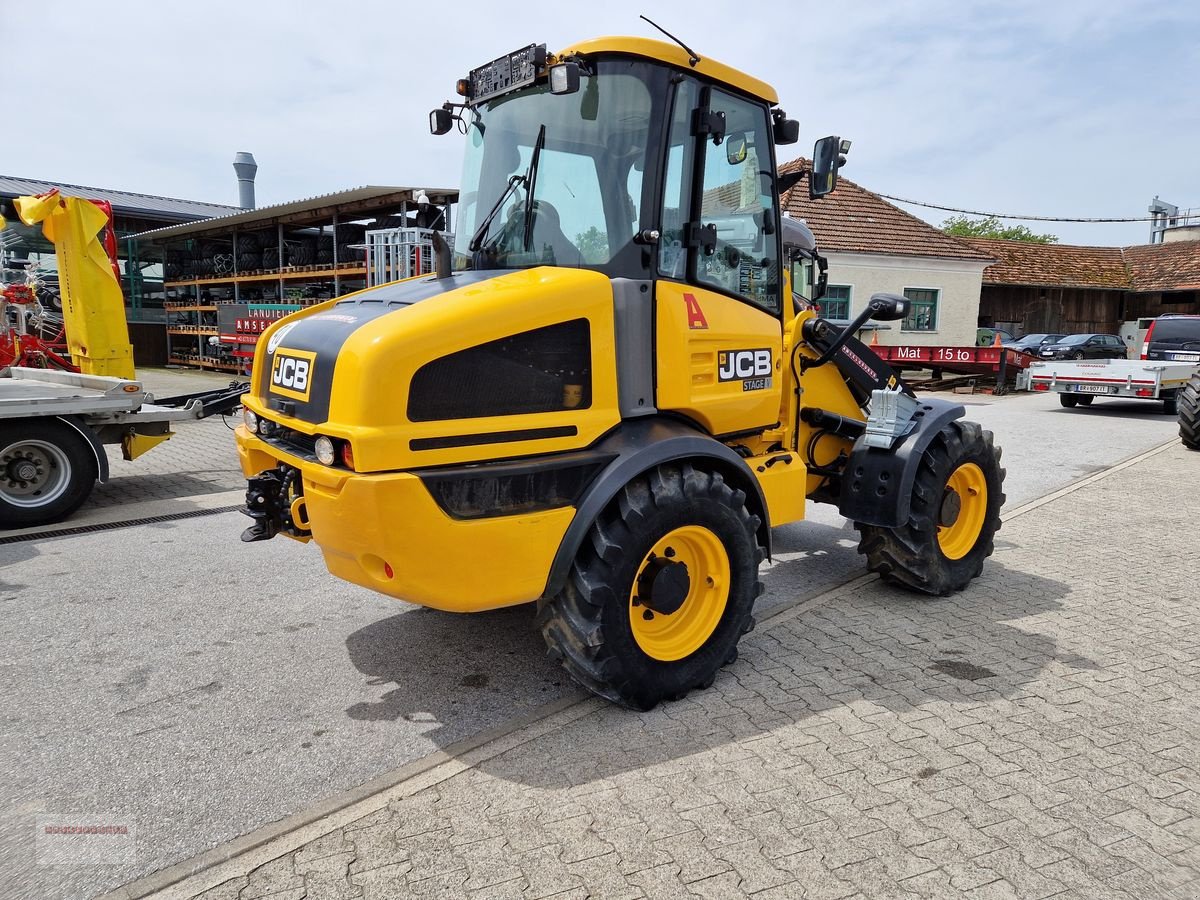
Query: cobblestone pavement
200 459
1034 736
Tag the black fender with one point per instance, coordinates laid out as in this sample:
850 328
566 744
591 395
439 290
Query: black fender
877 484
93 441
639 445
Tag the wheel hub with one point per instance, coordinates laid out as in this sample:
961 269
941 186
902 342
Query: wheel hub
23 472
663 585
678 598
951 508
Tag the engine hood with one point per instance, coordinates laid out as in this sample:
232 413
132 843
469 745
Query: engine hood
295 373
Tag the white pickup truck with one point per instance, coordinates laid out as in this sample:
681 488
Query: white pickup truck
1079 382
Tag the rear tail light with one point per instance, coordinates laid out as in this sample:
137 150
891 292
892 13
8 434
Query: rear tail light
1146 343
1144 392
1041 386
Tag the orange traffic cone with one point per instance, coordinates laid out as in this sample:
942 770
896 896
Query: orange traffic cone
996 340
875 338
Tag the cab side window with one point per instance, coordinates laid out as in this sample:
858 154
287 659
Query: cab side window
738 200
677 183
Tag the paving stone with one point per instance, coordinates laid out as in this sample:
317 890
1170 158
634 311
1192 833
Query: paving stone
836 759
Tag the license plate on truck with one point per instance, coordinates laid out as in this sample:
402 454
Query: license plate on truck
1092 389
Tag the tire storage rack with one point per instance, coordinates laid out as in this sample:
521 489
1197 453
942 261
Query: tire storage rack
226 278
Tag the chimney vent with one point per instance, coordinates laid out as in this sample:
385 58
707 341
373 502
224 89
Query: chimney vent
246 167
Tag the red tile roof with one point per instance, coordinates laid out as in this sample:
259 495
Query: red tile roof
853 220
1148 267
1174 266
1053 265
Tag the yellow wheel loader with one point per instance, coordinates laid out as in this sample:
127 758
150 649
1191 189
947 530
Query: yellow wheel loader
608 395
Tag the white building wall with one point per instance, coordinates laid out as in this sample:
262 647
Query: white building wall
958 283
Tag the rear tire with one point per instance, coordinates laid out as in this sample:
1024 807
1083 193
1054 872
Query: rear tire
943 544
600 625
47 470
1188 401
1171 404
1068 400
1084 399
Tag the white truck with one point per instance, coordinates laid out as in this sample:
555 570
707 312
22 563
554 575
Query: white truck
1079 382
53 426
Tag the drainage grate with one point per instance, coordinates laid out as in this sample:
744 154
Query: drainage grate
109 526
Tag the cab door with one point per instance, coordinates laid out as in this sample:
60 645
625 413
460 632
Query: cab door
718 320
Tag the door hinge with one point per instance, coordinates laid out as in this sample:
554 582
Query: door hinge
710 122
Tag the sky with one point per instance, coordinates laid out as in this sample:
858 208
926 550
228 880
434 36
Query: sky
1040 107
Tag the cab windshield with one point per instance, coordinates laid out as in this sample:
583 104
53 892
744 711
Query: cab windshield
558 179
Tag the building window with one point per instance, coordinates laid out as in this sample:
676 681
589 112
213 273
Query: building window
836 302
923 309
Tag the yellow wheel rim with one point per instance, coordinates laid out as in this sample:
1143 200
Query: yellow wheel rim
963 510
669 636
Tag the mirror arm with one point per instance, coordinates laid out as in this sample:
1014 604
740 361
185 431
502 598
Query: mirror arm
843 336
785 181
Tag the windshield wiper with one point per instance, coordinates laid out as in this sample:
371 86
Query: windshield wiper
530 184
482 230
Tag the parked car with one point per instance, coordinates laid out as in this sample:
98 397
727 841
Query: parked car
1031 343
1085 346
1173 338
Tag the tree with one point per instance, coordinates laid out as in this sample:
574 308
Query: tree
991 227
593 245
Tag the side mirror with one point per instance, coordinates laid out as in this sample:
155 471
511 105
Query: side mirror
735 148
827 159
441 121
888 307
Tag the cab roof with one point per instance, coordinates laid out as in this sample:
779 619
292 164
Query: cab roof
674 55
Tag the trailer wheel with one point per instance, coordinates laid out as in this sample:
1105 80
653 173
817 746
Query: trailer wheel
1084 399
1068 400
953 519
1171 404
1188 401
46 472
661 591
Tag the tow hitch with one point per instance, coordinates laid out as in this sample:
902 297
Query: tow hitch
275 501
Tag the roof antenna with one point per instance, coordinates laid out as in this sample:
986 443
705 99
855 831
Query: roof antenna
692 57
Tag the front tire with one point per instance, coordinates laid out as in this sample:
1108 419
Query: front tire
1188 402
661 591
953 517
46 472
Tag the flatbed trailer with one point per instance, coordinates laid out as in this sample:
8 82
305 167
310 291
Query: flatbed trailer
1079 382
54 425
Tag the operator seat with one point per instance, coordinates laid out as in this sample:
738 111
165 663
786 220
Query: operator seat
547 231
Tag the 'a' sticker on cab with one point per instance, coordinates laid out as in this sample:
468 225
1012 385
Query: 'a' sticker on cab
292 372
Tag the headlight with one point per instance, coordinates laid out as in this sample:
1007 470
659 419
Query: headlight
250 419
323 447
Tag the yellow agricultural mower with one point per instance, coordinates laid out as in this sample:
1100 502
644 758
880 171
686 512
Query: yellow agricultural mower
608 395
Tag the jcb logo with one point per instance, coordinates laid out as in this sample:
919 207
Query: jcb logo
735 365
291 373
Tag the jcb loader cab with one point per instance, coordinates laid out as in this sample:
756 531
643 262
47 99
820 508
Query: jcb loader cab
607 396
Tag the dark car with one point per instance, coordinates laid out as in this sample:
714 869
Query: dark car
1031 343
1173 339
1085 346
